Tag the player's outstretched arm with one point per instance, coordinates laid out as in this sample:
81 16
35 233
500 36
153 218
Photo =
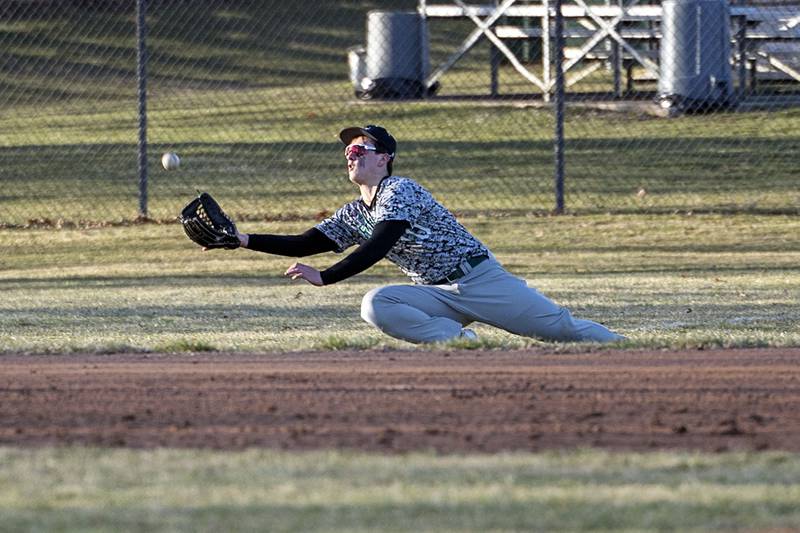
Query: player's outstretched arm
311 242
384 236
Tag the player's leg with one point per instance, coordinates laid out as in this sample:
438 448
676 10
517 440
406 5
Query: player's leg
492 295
560 325
413 313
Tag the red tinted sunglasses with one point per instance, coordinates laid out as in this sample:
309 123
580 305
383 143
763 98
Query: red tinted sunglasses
354 151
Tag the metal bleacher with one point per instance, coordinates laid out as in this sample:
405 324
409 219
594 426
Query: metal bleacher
621 34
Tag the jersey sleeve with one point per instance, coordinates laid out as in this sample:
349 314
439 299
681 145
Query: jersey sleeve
401 199
385 235
338 229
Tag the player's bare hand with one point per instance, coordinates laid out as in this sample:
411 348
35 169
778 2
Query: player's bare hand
301 271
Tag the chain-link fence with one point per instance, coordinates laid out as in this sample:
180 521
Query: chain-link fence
679 105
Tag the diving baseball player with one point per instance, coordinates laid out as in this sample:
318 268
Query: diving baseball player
456 279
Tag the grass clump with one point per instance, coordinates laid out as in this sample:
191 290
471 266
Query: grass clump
185 345
338 343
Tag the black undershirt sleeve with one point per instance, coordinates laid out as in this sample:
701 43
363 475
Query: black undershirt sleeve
384 236
311 242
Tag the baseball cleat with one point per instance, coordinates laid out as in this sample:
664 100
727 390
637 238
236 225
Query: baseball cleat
468 334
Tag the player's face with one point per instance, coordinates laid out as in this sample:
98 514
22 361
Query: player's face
364 163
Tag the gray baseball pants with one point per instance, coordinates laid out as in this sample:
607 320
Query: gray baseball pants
489 294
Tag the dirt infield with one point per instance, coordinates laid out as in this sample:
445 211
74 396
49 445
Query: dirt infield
456 401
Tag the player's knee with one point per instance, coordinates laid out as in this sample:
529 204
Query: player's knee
373 306
378 306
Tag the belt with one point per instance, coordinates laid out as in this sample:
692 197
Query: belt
459 272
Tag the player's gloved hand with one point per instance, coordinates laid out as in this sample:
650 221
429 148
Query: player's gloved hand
206 224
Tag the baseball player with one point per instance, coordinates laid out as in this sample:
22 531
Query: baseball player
456 279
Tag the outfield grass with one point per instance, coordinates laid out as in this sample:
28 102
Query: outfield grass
86 489
252 98
662 280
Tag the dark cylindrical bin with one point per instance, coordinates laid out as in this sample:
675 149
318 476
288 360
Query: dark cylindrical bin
695 54
394 54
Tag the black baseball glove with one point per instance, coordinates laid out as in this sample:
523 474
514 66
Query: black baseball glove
206 224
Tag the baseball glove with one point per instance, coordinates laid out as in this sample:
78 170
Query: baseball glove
206 224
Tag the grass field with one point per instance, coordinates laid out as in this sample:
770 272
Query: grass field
77 489
253 106
663 280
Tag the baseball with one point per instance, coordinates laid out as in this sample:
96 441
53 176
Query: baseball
170 161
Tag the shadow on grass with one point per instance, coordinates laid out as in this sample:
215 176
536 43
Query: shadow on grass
189 317
675 310
540 514
707 167
190 281
68 50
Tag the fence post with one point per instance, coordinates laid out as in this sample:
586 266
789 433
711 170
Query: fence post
494 65
141 71
559 107
741 41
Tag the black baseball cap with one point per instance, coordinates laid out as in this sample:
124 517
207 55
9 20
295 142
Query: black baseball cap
383 139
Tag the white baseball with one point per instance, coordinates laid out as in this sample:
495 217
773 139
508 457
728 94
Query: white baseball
170 161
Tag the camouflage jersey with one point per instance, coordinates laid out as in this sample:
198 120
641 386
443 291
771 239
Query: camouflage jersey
434 245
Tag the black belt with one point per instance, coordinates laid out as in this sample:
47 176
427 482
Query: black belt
459 273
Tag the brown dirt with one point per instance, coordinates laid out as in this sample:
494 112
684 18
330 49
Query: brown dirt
396 401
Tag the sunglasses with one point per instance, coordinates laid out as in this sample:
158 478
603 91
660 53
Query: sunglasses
354 151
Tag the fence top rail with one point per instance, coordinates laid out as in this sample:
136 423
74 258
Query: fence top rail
568 10
758 34
788 14
515 32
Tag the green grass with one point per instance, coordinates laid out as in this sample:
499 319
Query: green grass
280 159
252 99
86 489
662 280
251 95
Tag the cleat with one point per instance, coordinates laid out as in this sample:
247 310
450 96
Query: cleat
468 334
